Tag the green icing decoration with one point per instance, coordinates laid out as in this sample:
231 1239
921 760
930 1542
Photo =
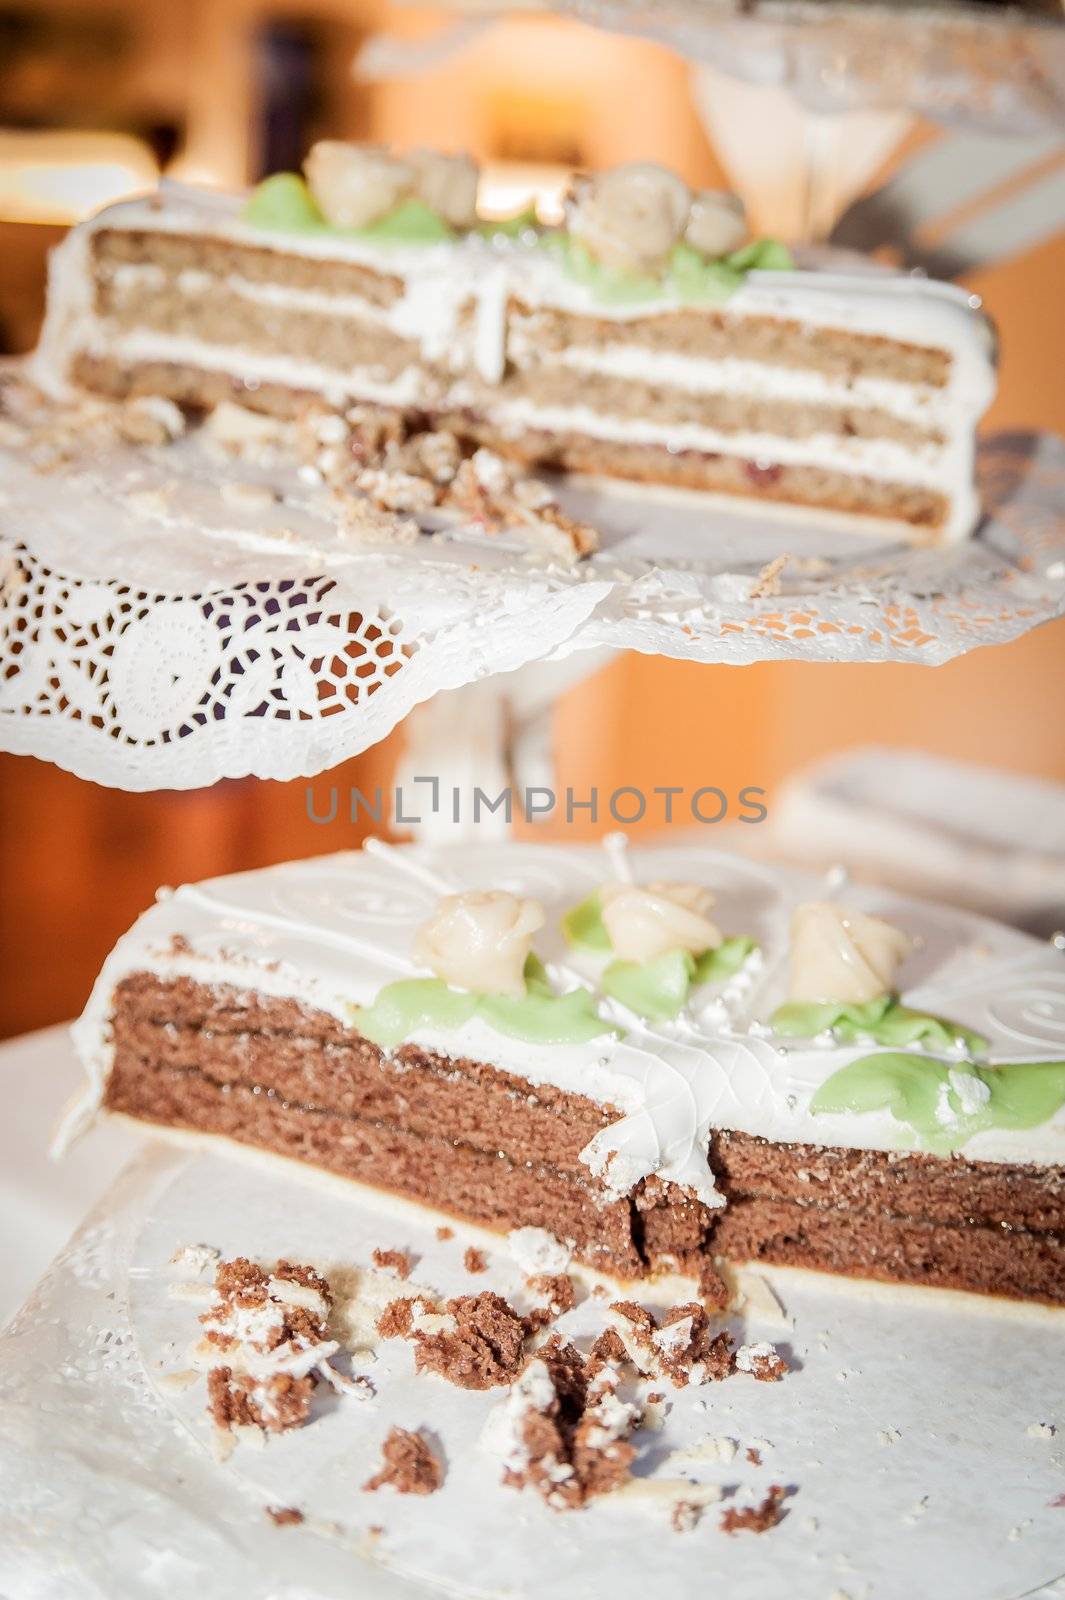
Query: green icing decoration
1022 1094
583 926
285 204
539 1016
658 990
885 1020
689 274
411 222
511 227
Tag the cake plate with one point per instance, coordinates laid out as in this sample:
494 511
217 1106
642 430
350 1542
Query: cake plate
918 1437
171 616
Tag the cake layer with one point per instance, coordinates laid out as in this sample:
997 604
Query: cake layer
1010 1262
470 1139
746 477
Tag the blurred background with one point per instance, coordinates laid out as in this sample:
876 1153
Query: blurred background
98 98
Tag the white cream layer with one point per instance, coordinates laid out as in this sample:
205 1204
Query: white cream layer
440 279
331 932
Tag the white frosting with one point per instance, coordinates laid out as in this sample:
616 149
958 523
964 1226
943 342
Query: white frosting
332 932
442 282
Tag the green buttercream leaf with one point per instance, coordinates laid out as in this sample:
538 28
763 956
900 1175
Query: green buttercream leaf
511 227
694 277
402 1008
285 204
583 927
689 274
724 962
655 989
539 1016
762 255
884 1019
917 1089
411 222
658 990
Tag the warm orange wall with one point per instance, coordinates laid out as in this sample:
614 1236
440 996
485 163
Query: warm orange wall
647 720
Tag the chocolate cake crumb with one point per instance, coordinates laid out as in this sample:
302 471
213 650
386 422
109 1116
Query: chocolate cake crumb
562 1434
408 1465
756 1519
274 1404
754 1456
474 1260
265 1344
606 1348
482 1343
444 1232
397 1261
679 1348
284 1516
486 1347
395 1320
763 1361
561 1296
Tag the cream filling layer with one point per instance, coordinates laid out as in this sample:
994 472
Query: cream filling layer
882 459
339 387
630 362
735 375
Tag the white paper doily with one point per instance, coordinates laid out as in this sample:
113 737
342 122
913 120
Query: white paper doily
155 633
904 1430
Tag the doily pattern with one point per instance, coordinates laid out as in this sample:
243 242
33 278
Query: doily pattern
283 663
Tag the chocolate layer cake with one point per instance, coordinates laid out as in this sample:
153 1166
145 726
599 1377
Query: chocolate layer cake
644 339
645 1083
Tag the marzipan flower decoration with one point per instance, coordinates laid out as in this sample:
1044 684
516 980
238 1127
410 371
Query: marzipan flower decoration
717 223
480 941
448 185
843 956
646 921
355 185
632 216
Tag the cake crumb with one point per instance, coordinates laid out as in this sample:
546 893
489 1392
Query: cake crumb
762 1360
397 1261
756 1519
284 1516
767 584
685 1516
478 1344
754 1456
1041 1430
444 1232
888 1436
265 1345
679 1348
561 1433
558 1291
475 1260
408 1465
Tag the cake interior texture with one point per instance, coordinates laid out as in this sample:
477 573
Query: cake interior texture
852 394
491 1148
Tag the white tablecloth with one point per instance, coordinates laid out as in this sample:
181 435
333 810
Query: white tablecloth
44 1200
